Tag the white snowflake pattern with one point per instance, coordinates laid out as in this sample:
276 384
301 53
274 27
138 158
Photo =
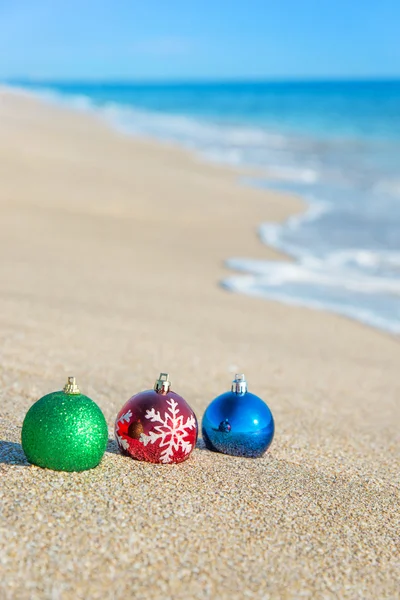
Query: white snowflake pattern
171 431
122 441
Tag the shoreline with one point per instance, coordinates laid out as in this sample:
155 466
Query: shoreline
111 252
243 279
289 204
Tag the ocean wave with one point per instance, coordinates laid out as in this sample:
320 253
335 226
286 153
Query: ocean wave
236 145
272 233
359 283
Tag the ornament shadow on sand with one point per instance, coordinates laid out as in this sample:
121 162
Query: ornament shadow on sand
12 453
112 447
157 425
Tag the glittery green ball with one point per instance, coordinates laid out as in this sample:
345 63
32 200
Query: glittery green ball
64 432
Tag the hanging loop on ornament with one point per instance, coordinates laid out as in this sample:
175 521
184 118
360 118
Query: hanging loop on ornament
239 384
71 386
162 384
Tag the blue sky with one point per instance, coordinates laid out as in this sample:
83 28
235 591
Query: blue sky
199 39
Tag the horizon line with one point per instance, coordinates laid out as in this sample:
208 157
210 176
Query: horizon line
201 81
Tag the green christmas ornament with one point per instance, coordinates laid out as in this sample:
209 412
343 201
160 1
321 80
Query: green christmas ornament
65 431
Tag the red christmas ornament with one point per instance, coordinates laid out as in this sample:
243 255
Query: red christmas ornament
157 425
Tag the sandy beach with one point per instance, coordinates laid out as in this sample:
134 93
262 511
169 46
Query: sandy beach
112 250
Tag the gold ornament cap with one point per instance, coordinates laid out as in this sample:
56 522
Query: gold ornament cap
71 386
162 384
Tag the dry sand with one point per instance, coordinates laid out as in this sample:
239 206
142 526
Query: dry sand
111 254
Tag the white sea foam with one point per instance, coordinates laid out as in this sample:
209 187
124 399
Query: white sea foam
245 285
364 258
271 233
294 174
362 284
279 273
388 186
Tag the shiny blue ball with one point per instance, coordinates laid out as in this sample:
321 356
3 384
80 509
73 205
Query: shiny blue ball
240 424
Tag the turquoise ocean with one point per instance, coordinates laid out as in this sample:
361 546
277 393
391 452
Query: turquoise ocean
336 144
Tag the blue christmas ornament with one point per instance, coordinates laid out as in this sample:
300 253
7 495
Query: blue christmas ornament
238 422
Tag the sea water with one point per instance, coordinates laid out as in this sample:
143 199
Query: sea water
336 144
